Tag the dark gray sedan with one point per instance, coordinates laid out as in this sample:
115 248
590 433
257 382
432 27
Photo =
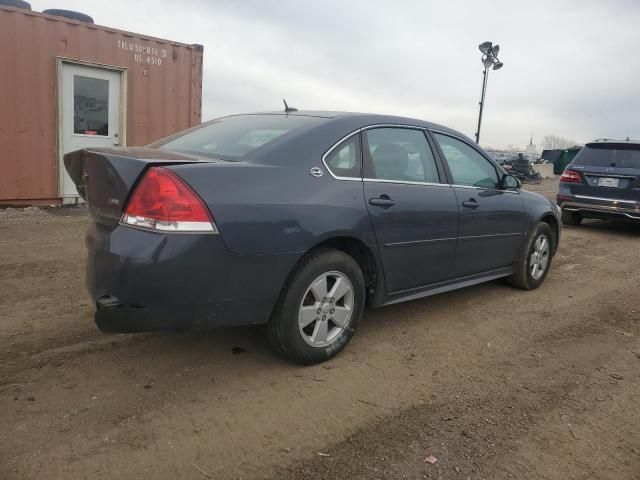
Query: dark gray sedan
300 221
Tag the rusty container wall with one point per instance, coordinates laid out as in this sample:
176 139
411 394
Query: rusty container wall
161 99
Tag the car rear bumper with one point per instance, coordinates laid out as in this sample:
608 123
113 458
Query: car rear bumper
146 281
111 316
592 207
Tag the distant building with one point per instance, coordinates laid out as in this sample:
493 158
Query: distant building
68 84
531 148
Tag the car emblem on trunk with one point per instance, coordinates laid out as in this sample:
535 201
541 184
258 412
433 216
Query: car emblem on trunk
316 172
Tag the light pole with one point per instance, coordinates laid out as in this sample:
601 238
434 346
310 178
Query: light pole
489 59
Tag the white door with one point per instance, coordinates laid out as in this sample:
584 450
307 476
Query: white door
90 106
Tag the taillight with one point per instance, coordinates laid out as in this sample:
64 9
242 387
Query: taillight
569 176
163 202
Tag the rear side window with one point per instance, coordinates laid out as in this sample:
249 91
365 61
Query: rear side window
231 138
345 159
622 156
468 167
400 154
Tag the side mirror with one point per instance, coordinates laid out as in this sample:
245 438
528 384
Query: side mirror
510 182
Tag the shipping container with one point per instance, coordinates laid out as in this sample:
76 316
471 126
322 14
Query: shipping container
67 84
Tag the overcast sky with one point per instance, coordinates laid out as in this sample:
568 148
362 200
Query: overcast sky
571 68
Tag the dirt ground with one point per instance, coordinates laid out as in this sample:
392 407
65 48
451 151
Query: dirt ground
494 382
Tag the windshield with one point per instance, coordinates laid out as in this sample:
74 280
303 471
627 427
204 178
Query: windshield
231 138
622 156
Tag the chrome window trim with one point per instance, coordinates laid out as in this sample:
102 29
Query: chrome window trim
394 125
472 187
484 188
405 182
332 148
355 132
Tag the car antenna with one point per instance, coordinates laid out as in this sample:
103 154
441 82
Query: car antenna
287 108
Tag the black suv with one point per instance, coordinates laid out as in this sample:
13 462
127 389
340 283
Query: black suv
603 181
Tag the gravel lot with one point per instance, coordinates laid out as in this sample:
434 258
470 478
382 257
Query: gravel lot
494 382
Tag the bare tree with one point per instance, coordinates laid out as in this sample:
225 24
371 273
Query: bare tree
553 142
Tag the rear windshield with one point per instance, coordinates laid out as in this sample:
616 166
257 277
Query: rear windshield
231 138
622 156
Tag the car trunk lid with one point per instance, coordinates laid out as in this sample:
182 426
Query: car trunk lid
105 177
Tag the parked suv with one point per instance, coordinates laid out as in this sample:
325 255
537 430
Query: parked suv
603 181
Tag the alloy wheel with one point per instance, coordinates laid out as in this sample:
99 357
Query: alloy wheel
539 259
325 309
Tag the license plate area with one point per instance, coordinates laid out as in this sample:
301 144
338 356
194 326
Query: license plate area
609 182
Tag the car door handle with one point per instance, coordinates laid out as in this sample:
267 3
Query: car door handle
382 201
471 203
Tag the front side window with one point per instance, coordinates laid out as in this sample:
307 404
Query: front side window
344 160
90 106
400 154
468 167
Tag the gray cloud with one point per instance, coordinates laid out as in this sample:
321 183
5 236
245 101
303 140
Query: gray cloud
571 67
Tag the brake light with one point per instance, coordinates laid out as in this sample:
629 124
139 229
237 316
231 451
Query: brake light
163 202
569 176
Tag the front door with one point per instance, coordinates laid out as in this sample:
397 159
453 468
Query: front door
414 215
491 234
90 107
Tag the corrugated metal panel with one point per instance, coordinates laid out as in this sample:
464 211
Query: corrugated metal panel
161 98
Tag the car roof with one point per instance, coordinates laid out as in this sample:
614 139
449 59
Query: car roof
612 142
365 119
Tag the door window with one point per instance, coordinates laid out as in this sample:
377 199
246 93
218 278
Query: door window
468 167
401 154
344 160
90 106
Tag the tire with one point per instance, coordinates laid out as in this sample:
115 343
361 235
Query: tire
71 14
16 4
525 277
571 218
299 302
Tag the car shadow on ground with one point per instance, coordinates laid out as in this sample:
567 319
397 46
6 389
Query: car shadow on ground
246 345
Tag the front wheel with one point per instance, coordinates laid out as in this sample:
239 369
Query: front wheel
319 308
533 265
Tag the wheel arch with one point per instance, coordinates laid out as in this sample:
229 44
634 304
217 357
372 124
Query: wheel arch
553 222
363 255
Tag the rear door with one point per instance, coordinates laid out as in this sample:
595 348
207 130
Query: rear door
491 218
608 171
414 214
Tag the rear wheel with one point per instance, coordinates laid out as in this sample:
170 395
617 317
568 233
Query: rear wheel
534 264
319 308
571 218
